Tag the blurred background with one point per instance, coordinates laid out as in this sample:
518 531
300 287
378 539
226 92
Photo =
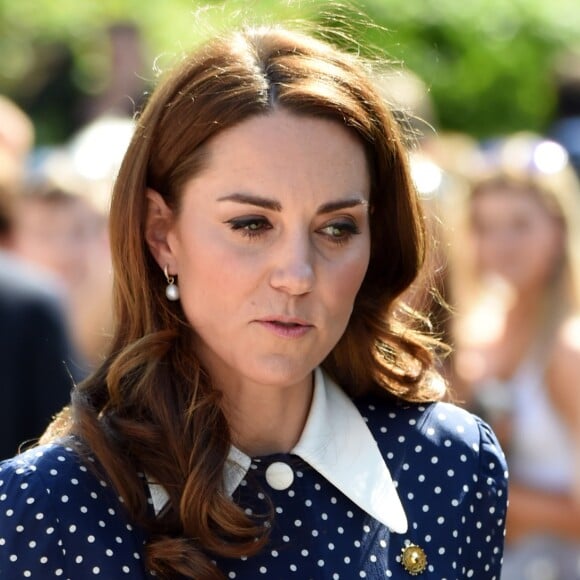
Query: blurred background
488 92
490 66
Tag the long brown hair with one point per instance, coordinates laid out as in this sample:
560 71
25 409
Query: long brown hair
150 407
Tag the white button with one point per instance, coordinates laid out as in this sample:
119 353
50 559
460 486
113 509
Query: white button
279 475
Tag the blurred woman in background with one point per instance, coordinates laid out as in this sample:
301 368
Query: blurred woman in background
60 226
59 231
517 337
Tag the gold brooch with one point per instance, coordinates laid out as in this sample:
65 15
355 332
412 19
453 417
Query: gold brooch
413 559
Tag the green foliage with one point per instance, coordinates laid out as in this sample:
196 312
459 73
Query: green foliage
486 63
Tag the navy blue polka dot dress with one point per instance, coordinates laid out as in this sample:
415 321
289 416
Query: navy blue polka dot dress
371 490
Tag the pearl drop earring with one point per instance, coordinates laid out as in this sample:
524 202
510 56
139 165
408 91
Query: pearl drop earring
172 290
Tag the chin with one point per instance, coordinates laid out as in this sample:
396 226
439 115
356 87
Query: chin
280 373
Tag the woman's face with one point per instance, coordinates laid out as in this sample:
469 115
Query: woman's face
516 237
62 236
271 246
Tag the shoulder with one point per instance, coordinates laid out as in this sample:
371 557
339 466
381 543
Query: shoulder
443 439
451 477
444 460
49 472
53 503
59 481
437 424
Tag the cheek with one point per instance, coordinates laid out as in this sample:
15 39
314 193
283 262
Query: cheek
345 280
485 248
486 251
213 281
547 250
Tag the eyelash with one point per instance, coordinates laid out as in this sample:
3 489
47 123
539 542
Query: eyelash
347 228
243 225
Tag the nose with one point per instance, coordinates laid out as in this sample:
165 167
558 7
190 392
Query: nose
293 268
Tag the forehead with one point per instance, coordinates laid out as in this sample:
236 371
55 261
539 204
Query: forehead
287 150
505 197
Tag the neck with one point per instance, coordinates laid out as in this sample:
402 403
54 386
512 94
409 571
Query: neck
265 420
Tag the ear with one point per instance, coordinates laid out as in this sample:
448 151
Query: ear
158 226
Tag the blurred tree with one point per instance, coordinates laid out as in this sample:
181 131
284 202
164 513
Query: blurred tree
487 63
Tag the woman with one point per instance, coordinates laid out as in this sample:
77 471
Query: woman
518 345
268 407
62 232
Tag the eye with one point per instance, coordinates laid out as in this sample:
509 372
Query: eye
250 226
339 232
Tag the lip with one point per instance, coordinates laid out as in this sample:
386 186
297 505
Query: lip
285 326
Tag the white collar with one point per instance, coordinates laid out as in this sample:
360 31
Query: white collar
338 444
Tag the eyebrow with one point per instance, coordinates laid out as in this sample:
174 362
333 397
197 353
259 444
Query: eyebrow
253 200
273 205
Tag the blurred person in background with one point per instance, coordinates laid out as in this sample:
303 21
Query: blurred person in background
60 232
37 364
515 285
61 226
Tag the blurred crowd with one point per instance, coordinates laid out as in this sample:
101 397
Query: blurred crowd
55 271
504 219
